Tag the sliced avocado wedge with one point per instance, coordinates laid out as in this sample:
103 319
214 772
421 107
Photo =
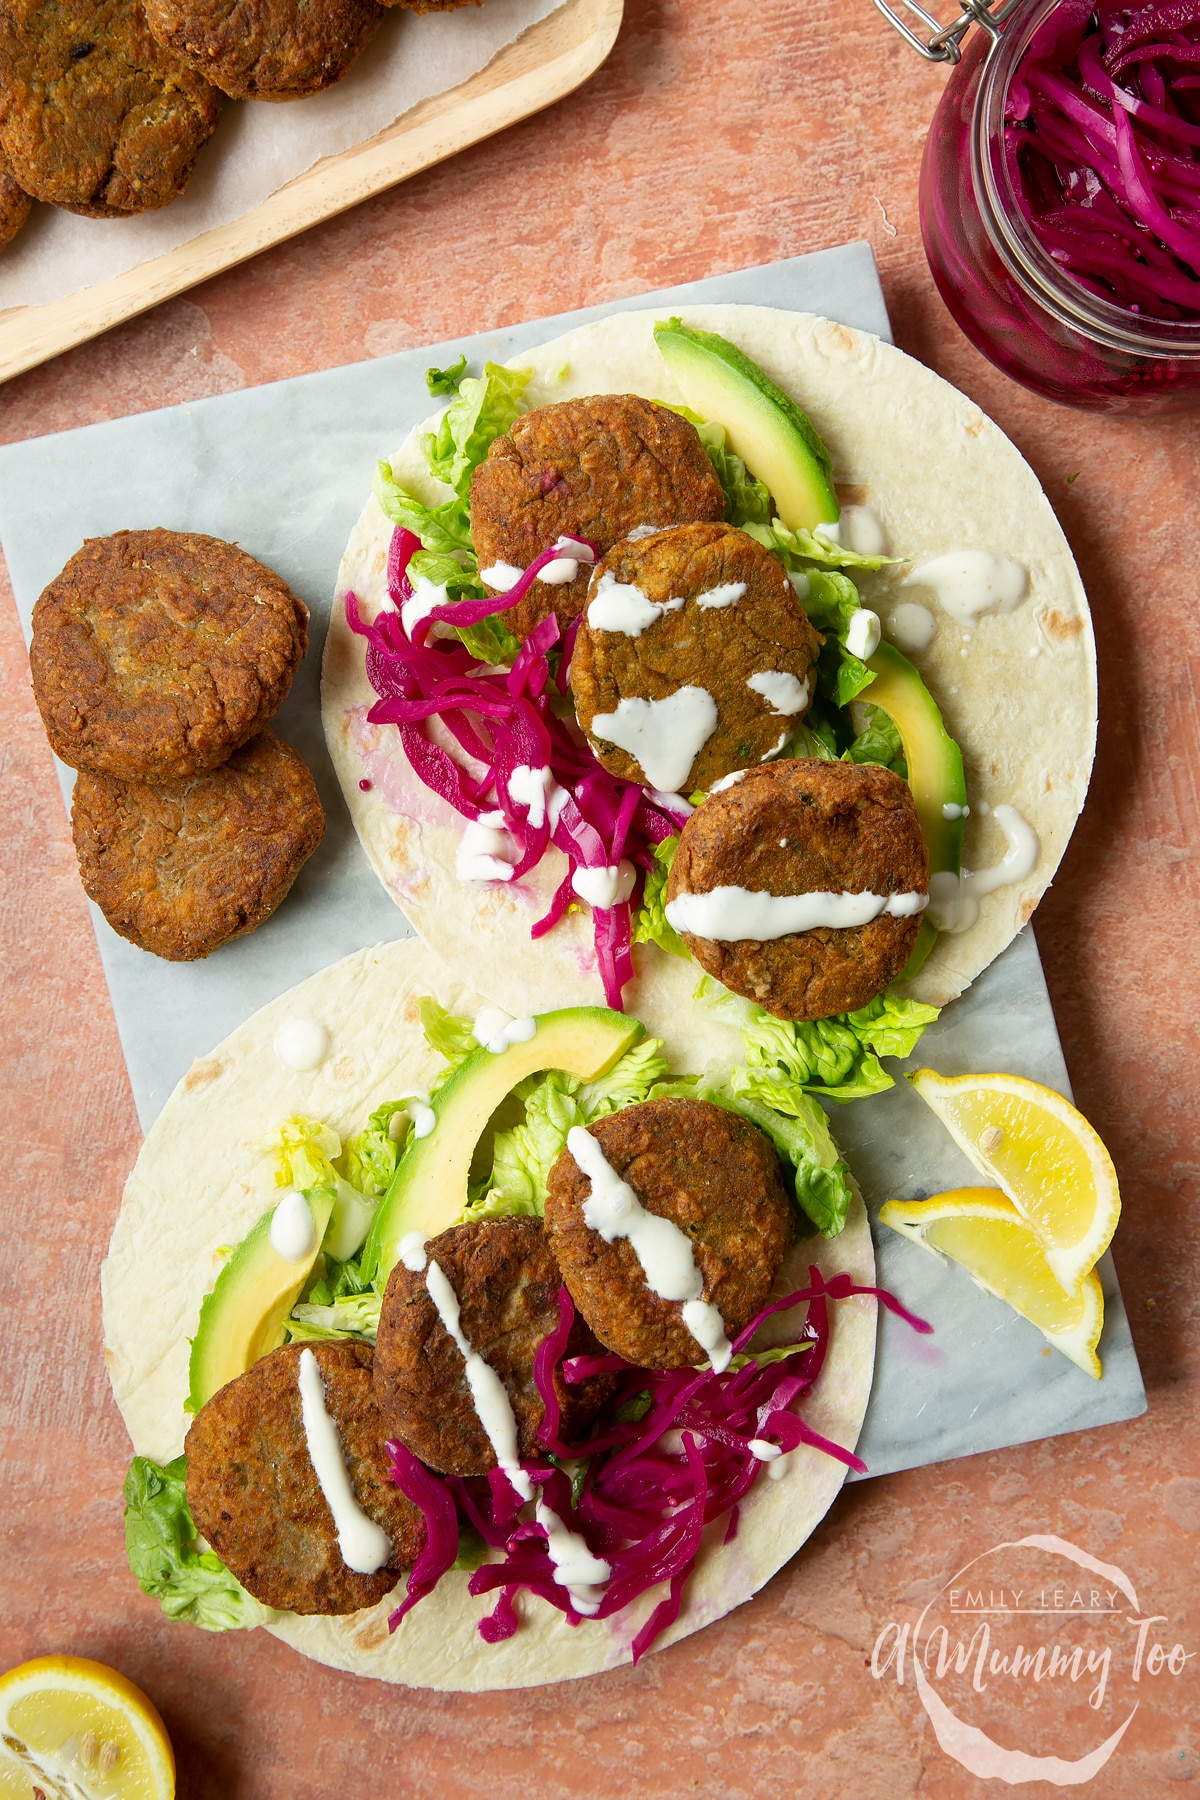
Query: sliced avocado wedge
776 441
429 1189
243 1317
935 770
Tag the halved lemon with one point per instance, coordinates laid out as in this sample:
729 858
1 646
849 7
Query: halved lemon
1042 1152
981 1229
72 1727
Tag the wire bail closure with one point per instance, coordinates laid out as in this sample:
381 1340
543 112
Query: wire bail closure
943 43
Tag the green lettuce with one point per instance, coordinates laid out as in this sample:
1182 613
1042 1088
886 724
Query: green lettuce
806 546
878 742
372 1153
445 528
354 1316
747 501
650 920
447 1035
305 1152
483 409
446 381
168 1559
837 1057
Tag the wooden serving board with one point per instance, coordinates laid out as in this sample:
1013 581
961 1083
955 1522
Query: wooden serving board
546 62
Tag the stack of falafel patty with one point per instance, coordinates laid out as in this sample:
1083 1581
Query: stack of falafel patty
157 658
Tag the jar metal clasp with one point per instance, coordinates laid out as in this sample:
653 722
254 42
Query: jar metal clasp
943 43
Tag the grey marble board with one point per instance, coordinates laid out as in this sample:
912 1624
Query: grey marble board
283 470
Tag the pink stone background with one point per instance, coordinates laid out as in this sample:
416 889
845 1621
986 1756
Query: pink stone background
721 133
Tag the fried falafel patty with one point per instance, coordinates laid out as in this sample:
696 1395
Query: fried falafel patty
807 827
266 49
255 1496
98 117
14 203
155 654
694 657
594 468
183 867
717 1178
506 1279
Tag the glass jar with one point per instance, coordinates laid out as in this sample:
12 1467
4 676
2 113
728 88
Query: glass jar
1011 298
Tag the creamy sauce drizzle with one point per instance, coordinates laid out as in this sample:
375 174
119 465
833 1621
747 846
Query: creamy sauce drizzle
411 1250
292 1233
728 781
497 1030
363 1545
488 1393
728 594
644 531
863 633
862 530
970 582
418 1110
672 803
621 606
783 693
779 744
530 787
614 1211
302 1044
502 576
663 736
954 900
604 888
481 850
425 597
911 627
730 915
575 1568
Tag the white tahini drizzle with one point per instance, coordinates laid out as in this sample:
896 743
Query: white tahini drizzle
728 594
614 1211
951 810
622 606
504 576
481 850
501 575
672 803
911 627
425 597
862 530
575 1568
418 1111
785 694
779 744
970 582
730 915
605 888
411 1250
663 736
292 1232
863 633
488 1393
529 787
302 1044
728 781
954 900
363 1545
496 1030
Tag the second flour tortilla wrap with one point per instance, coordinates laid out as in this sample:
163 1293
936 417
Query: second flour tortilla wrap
1017 689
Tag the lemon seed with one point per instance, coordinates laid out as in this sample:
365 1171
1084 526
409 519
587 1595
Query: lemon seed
89 1748
110 1756
991 1139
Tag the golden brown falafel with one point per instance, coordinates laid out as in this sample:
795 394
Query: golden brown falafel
156 653
594 468
97 117
728 627
507 1281
805 826
254 1493
266 49
14 203
183 867
717 1178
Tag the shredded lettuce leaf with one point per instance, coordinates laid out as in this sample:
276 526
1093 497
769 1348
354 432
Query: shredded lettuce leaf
650 920
447 1035
372 1153
838 1057
445 529
168 1559
483 409
747 501
446 381
878 741
805 546
354 1316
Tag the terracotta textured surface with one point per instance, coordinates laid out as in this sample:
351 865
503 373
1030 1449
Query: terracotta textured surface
721 133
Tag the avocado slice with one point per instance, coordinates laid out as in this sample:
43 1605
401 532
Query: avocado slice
935 770
763 426
429 1188
243 1317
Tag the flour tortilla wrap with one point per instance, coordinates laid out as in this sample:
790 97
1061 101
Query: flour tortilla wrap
1017 689
201 1183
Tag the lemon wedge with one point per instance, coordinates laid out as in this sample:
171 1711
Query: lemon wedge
982 1231
1044 1155
72 1727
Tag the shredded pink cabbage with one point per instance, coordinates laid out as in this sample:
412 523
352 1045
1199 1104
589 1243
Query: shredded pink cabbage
504 720
1103 139
644 1503
440 1549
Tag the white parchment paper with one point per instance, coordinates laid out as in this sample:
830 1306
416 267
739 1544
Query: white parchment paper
260 145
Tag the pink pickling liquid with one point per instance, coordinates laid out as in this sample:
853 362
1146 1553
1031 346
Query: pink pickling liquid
1018 323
